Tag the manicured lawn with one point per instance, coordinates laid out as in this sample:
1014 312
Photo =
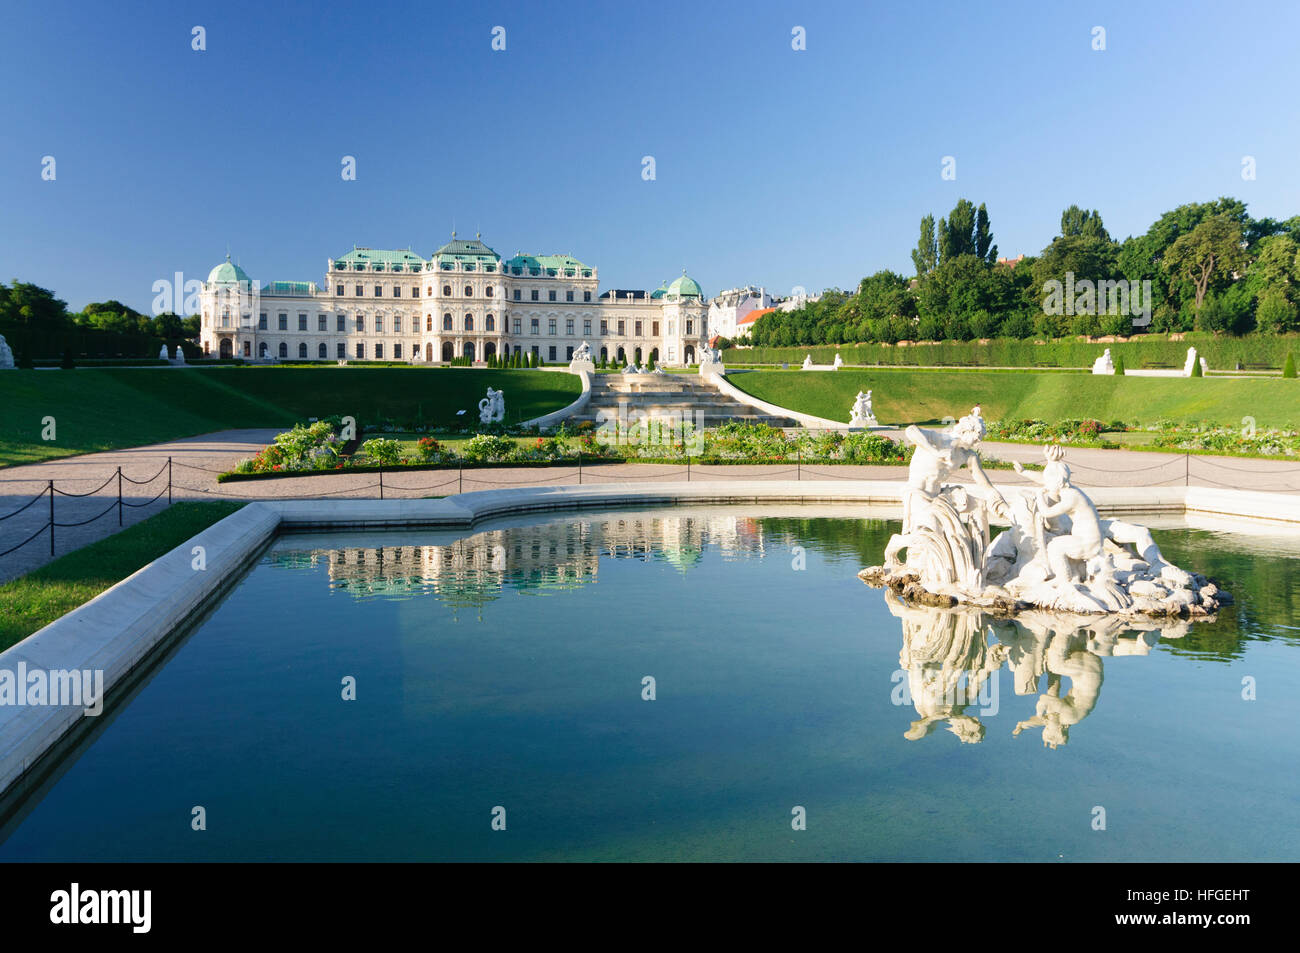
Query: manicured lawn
105 409
31 602
913 396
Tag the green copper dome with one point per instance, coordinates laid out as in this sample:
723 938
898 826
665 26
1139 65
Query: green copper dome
685 287
228 272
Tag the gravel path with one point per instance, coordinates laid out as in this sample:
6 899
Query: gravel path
196 461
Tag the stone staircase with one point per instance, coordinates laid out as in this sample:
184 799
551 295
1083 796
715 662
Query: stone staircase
664 395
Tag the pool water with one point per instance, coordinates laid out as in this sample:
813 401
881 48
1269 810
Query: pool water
501 680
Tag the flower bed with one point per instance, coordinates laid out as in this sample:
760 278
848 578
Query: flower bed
1230 441
1072 432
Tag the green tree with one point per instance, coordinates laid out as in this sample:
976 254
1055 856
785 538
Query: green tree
925 256
1077 222
1207 256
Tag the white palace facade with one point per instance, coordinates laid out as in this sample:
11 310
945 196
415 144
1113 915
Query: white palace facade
463 301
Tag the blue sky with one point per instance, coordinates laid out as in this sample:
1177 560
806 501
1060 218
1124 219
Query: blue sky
773 167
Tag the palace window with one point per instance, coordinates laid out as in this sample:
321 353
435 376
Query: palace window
361 351
550 355
518 295
638 328
654 329
446 291
586 326
302 323
341 323
357 290
302 349
550 326
322 323
321 351
568 326
469 291
415 291
690 326
225 319
361 322
490 323
379 351
428 322
284 349
341 350
568 296
518 322
604 326
536 326
551 294
536 295
621 325
284 322
586 296
397 351
379 325
469 322
446 322
488 291
397 324
261 321
379 291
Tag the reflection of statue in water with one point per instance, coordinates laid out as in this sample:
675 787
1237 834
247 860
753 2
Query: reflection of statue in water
948 661
945 528
1067 656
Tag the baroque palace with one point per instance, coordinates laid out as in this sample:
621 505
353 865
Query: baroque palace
464 301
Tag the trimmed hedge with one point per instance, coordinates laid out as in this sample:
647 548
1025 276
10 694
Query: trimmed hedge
1222 353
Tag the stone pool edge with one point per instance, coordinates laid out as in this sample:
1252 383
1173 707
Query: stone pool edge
117 630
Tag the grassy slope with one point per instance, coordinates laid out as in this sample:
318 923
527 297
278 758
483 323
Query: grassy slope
31 602
902 396
104 409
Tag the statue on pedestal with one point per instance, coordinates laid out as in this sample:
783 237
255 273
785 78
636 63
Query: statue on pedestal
861 414
1104 364
492 408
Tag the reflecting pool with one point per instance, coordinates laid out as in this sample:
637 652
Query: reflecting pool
688 684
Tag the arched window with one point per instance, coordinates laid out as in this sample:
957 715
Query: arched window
469 350
446 291
428 322
469 291
446 322
263 350
490 323
488 291
321 352
302 349
284 349
448 350
469 322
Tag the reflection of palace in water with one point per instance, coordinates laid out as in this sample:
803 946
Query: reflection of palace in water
951 663
559 555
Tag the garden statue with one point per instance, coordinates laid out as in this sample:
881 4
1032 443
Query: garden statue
180 355
862 415
163 355
6 355
807 363
839 362
1058 552
1192 361
1104 364
583 353
492 408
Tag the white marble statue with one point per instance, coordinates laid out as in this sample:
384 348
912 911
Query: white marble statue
807 363
631 369
1191 362
583 353
1104 364
1058 553
6 355
862 414
180 355
839 362
162 353
492 408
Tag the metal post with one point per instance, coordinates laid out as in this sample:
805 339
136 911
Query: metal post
51 517
688 469
798 464
1187 469
169 481
579 468
119 496
460 476
381 483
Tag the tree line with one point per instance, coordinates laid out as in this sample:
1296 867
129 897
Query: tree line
1211 267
